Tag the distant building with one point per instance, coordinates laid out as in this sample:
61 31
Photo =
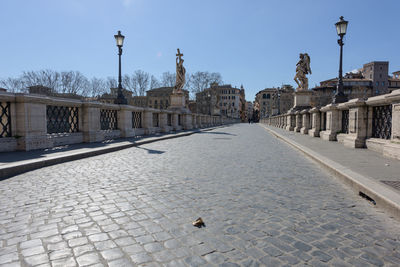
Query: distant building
371 80
249 109
222 100
160 97
274 101
3 90
139 101
43 90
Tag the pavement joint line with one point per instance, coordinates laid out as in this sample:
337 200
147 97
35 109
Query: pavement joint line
15 168
384 197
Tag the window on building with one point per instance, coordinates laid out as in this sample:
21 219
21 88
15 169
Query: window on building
233 97
155 102
383 83
268 96
264 103
233 104
377 83
380 75
264 96
150 102
166 102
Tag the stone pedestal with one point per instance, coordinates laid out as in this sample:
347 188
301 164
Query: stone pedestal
302 100
177 100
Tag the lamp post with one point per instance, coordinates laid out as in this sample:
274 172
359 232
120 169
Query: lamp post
279 102
209 102
341 27
119 38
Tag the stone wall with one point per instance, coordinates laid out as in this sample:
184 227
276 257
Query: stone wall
29 122
372 123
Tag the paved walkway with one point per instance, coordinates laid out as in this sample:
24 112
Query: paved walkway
13 163
263 204
366 168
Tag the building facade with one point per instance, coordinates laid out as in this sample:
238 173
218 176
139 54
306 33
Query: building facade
371 80
222 100
274 101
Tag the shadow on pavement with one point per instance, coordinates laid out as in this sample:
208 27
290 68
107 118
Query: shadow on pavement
151 151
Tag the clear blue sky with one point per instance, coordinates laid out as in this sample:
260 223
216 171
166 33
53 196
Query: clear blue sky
251 42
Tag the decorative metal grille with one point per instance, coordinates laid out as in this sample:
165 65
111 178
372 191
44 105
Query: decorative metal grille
323 121
5 119
293 120
108 119
155 120
169 119
179 120
345 121
136 119
382 122
61 119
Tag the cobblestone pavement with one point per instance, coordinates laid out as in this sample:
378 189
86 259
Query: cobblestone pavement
263 204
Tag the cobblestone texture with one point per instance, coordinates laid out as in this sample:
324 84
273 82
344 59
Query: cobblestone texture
263 204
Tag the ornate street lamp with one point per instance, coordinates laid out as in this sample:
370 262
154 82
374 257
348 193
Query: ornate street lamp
341 28
119 38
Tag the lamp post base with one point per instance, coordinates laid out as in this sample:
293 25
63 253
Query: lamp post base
121 101
339 98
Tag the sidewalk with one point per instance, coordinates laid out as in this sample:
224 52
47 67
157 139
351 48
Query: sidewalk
368 173
14 163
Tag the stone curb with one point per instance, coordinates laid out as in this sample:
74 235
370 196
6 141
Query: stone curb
384 197
16 168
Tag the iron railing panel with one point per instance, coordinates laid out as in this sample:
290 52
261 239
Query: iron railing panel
382 122
5 119
108 119
62 119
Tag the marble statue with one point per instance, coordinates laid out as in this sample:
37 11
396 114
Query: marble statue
180 73
302 69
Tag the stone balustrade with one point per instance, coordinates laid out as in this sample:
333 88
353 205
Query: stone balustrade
29 121
372 123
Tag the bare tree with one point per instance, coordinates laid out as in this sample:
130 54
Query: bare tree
201 80
142 80
73 82
111 82
13 85
47 78
96 87
129 83
168 79
154 82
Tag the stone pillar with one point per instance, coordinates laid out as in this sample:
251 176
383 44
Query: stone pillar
125 121
305 122
31 125
148 121
175 124
187 121
333 123
299 122
91 122
315 122
163 122
358 122
291 121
